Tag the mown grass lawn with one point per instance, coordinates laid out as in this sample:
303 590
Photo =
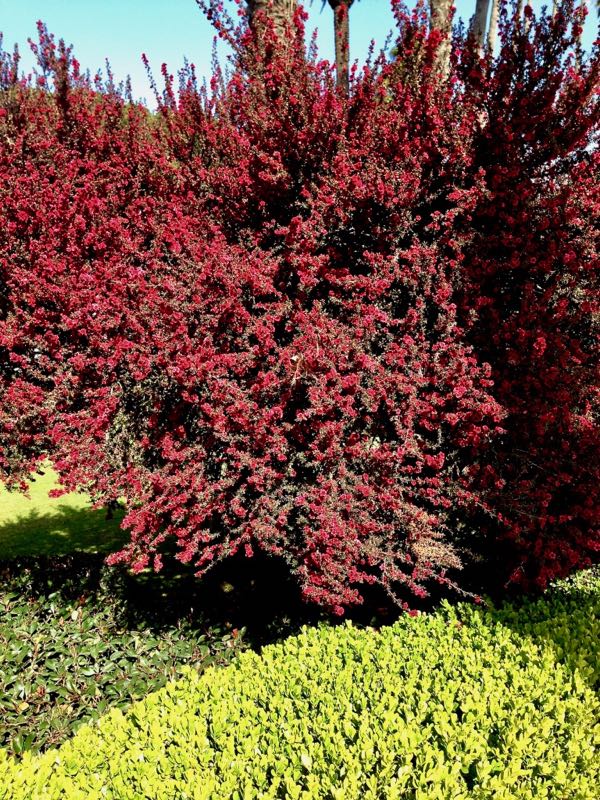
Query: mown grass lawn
38 525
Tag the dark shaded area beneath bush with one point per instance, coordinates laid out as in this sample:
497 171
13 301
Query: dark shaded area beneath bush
257 595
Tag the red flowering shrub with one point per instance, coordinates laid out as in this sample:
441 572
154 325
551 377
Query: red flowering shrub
532 290
263 316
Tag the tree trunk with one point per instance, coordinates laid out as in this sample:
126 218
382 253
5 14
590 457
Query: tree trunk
479 22
341 26
440 20
281 12
578 44
493 29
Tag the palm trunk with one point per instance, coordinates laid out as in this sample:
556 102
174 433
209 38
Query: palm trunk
493 29
440 20
479 22
280 12
341 26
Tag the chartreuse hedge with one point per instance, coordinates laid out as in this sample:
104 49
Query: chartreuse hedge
460 704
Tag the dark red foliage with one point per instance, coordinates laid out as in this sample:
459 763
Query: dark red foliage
355 333
532 291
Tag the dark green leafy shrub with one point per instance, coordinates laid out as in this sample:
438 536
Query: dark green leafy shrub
460 704
72 646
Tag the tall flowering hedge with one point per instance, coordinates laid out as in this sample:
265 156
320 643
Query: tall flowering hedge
272 318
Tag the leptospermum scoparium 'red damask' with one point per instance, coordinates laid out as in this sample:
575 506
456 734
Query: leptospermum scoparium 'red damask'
272 317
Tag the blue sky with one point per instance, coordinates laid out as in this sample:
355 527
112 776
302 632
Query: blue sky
168 30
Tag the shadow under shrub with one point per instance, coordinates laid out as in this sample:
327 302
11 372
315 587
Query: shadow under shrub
79 638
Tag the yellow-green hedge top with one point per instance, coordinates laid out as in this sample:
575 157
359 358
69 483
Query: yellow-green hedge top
460 704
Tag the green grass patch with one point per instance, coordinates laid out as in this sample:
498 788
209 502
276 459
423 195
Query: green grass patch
40 525
464 703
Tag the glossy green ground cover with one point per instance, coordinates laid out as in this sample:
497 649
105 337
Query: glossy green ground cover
39 525
78 638
463 703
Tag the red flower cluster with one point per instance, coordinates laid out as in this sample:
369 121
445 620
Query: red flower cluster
532 290
274 318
